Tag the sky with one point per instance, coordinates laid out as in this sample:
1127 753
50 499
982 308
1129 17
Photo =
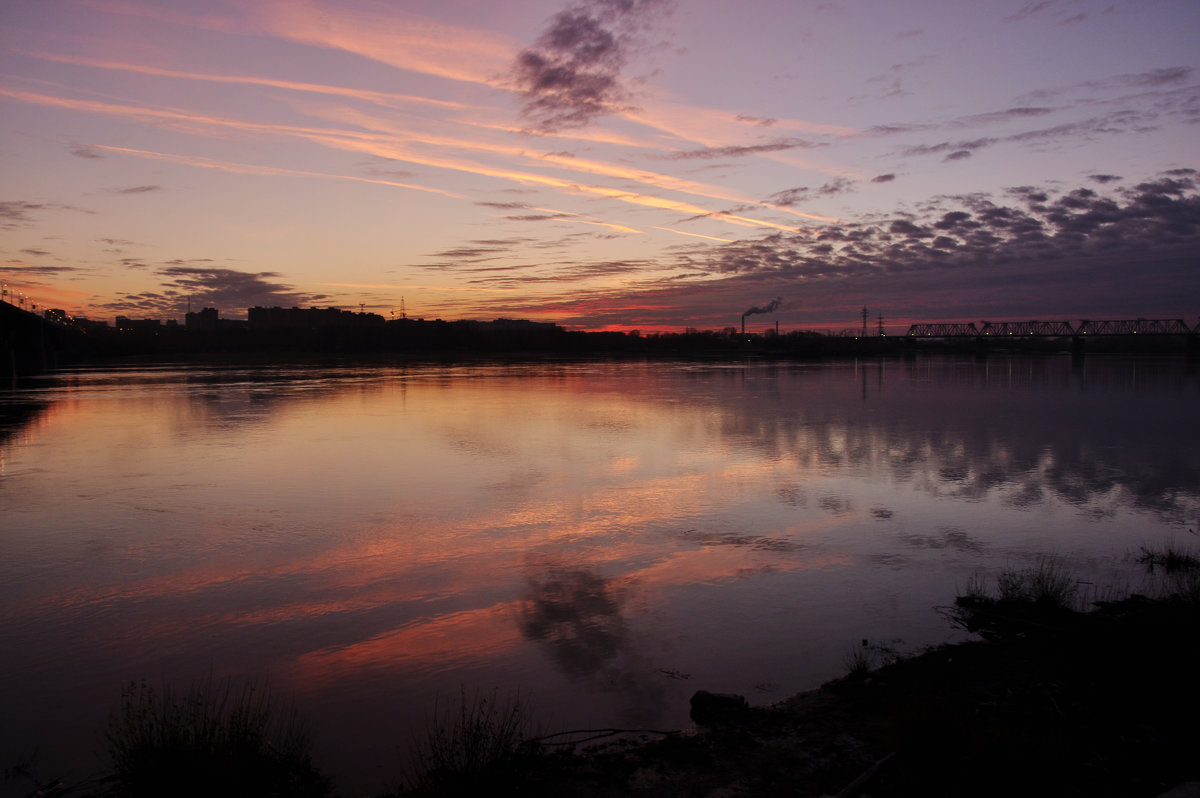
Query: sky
604 164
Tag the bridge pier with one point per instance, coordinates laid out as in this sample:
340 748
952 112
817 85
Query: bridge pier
30 344
8 361
983 348
1077 346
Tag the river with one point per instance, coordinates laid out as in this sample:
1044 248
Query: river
600 538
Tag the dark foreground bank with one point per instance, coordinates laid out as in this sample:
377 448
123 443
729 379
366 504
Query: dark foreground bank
1052 700
1099 705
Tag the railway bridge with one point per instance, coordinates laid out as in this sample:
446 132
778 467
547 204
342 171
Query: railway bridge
1052 329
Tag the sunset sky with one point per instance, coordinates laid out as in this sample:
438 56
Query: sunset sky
605 164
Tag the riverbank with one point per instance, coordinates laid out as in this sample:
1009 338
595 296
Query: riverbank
1052 701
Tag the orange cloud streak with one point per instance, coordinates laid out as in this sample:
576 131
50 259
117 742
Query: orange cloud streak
694 235
274 171
377 97
389 147
397 38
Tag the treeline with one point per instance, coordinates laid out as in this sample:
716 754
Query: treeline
416 336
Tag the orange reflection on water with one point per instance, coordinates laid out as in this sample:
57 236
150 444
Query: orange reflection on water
457 638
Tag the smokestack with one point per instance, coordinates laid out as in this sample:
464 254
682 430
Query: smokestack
770 307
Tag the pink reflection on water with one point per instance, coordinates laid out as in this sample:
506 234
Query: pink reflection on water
374 541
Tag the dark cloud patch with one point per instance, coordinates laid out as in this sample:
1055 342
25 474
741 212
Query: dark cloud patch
35 253
474 252
479 251
952 147
1031 195
1164 78
136 190
227 290
791 196
892 130
1157 77
85 151
1087 250
468 253
538 217
1104 178
839 185
794 196
883 178
907 229
373 169
1006 115
1028 10
712 153
14 214
566 273
1079 224
500 242
1081 131
17 270
572 74
517 267
762 121
503 206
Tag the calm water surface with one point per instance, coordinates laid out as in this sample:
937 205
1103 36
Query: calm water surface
605 538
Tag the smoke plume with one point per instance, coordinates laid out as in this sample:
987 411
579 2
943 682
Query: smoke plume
770 307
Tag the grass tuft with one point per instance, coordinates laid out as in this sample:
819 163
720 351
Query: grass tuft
1025 600
470 739
1170 559
976 588
1049 585
862 659
211 740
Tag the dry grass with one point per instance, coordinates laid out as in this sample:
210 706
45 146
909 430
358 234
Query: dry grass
211 740
469 739
1049 584
1169 558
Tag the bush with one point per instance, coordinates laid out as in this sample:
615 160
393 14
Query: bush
469 740
227 740
1171 559
1048 585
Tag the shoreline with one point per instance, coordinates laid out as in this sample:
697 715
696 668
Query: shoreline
1050 701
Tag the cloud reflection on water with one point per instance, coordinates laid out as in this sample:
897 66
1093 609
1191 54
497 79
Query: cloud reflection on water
588 527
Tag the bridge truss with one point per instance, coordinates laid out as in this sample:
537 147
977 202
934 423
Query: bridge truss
1053 329
1026 329
1135 327
943 330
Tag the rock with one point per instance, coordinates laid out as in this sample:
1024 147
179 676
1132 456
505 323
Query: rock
709 708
